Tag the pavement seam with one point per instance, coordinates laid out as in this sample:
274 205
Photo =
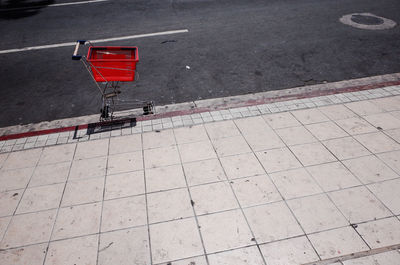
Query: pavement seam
146 200
234 193
191 199
59 205
102 202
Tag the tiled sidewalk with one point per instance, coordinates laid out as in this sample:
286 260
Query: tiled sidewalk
155 124
287 188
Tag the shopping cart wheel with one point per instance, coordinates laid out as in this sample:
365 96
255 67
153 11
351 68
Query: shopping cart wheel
105 112
149 108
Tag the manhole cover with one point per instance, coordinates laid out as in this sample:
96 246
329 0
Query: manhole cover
367 21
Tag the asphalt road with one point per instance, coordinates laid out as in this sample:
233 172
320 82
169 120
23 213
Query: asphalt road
233 47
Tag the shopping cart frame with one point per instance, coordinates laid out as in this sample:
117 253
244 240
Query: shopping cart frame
108 78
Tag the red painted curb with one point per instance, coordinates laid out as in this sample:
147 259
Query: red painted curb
270 100
221 107
42 132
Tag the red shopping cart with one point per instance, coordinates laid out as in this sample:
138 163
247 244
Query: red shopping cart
108 66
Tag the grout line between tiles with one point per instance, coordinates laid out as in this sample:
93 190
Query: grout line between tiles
102 202
59 205
191 200
146 200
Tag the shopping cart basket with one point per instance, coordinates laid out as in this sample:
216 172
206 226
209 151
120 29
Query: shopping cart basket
108 66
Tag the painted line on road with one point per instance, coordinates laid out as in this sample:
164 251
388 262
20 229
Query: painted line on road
53 5
78 3
95 41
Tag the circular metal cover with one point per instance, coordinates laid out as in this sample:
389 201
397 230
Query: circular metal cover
367 21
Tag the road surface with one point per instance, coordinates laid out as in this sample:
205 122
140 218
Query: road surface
232 47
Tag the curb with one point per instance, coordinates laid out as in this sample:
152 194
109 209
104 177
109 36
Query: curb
207 105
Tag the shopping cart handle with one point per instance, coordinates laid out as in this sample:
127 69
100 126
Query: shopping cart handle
75 56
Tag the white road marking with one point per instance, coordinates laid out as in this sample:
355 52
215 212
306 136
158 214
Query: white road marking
95 41
54 5
78 3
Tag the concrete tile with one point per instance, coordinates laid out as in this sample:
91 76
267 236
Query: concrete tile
221 129
205 171
88 168
214 197
124 185
377 142
169 205
337 242
387 193
385 258
41 198
242 165
196 151
28 229
255 190
356 125
159 139
164 178
396 114
125 144
124 213
163 156
385 121
278 160
9 201
363 108
312 154
359 205
394 134
252 125
309 116
242 256
333 176
50 174
4 221
32 255
128 246
18 147
190 134
289 252
77 221
317 213
370 169
83 191
345 148
81 250
337 112
126 162
392 159
22 159
296 135
231 146
263 140
91 149
387 104
381 233
200 260
281 120
326 130
175 240
15 179
3 158
223 231
295 183
272 222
